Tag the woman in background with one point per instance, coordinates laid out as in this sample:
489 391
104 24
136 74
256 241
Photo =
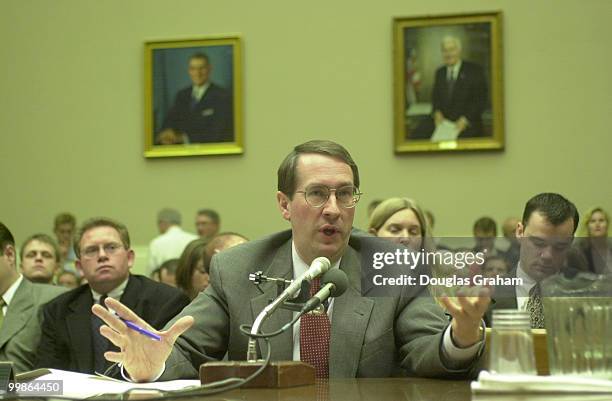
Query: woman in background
191 276
402 221
594 243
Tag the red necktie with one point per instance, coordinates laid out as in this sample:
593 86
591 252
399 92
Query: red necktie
314 338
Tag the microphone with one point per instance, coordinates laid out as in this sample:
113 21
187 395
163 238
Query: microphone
318 266
333 284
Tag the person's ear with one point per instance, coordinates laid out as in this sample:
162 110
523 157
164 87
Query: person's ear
284 204
10 254
79 267
131 257
520 230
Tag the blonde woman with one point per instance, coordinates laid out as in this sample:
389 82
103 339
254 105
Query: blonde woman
594 243
402 221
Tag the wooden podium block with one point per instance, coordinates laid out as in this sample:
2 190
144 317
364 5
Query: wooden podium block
276 375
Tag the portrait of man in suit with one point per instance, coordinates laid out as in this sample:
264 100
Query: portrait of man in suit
193 97
449 77
460 91
202 112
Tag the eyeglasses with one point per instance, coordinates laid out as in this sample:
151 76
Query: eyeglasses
93 251
318 195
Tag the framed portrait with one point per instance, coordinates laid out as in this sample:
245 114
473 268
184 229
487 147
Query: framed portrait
448 83
193 97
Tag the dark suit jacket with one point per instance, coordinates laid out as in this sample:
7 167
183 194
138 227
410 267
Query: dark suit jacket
209 120
370 336
584 256
66 341
20 332
469 97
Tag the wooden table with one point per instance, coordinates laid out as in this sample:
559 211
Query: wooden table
394 389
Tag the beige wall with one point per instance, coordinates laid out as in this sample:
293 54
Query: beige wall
71 120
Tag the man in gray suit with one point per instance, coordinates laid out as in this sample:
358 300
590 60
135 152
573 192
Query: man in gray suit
368 336
21 300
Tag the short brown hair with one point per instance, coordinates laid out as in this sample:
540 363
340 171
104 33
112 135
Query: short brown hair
6 238
287 170
100 222
64 218
44 238
485 225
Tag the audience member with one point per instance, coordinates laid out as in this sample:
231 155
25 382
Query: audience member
431 220
509 229
545 233
20 304
373 206
403 221
594 245
171 242
40 258
64 227
370 336
207 223
71 338
191 276
156 275
495 266
167 272
220 243
68 279
485 231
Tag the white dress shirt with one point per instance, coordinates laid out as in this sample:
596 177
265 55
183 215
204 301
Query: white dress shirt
10 293
522 291
168 245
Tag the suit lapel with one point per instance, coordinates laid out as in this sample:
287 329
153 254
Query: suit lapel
78 320
282 345
18 312
131 294
350 317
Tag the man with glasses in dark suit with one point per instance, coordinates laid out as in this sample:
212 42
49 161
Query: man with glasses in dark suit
70 333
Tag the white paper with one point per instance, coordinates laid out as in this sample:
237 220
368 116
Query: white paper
80 385
445 131
501 383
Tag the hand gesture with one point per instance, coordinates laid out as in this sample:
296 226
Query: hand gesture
467 310
142 358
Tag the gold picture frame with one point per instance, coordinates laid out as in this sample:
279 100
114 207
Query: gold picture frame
448 83
193 97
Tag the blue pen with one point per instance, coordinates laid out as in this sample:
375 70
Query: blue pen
139 329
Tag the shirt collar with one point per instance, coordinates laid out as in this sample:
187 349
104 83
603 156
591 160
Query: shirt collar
115 293
528 282
455 69
198 91
10 292
299 266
